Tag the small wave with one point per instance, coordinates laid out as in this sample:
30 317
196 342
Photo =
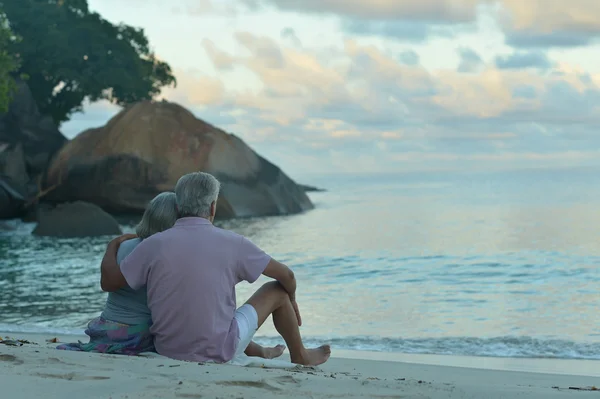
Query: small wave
519 347
515 347
16 329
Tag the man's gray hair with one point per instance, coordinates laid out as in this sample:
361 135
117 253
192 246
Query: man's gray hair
160 215
195 193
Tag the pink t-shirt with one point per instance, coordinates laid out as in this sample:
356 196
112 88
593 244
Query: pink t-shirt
190 272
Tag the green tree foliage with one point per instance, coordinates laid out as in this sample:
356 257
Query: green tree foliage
70 53
8 64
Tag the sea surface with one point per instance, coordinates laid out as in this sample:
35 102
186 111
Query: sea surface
485 264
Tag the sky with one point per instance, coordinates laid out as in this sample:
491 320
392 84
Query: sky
356 86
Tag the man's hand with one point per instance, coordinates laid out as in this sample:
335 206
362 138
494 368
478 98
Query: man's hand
124 237
297 311
111 278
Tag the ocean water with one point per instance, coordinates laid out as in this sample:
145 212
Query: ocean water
504 264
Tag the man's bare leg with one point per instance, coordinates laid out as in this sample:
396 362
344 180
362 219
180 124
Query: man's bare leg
256 350
271 298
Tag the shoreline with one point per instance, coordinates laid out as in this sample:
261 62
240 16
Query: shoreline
36 370
579 367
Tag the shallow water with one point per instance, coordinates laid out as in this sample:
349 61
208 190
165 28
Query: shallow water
487 265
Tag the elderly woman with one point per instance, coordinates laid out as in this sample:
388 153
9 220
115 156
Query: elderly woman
124 325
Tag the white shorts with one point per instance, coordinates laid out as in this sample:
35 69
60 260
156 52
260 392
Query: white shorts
247 320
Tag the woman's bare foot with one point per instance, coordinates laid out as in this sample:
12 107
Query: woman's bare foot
314 357
272 353
256 350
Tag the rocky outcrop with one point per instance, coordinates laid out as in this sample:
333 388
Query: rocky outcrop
12 198
311 189
27 141
13 181
12 163
147 147
77 219
24 126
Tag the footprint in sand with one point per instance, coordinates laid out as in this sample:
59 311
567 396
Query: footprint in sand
10 358
58 361
248 384
285 379
71 377
271 384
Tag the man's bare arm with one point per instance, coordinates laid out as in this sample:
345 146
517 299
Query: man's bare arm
284 275
111 278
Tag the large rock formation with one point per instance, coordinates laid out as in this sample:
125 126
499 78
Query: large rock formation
27 141
76 219
13 180
147 147
37 135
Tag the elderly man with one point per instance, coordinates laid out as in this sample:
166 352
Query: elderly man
191 271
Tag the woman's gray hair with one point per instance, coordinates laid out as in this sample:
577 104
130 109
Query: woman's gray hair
160 215
195 193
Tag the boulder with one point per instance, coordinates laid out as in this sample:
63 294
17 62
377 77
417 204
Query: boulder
76 219
12 163
148 146
12 199
13 180
37 135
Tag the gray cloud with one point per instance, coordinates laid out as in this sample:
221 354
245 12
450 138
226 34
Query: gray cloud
550 24
399 20
266 50
411 31
290 34
543 40
409 57
525 91
524 59
526 23
470 61
416 32
434 11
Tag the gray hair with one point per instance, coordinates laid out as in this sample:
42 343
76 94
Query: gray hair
160 215
195 193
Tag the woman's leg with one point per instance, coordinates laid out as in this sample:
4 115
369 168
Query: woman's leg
256 350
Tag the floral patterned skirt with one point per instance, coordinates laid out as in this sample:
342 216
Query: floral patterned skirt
111 337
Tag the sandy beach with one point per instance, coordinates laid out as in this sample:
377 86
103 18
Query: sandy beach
36 370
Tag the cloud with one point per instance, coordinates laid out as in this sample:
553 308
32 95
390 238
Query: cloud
388 104
290 34
524 59
442 11
199 7
470 61
543 23
266 50
409 57
195 89
220 59
194 7
526 24
360 94
402 20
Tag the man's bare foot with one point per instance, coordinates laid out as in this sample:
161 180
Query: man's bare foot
314 357
272 353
